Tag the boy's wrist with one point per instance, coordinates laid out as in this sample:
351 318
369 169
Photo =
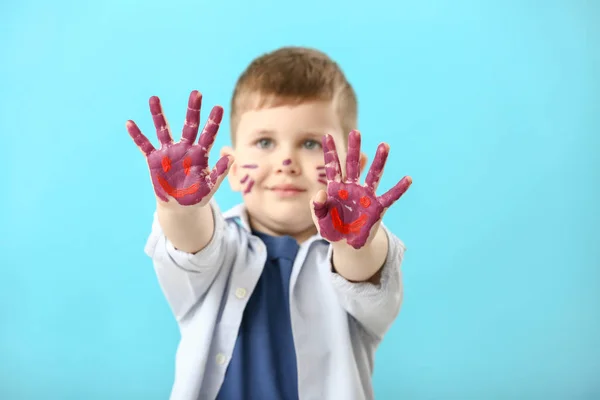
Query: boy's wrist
172 207
189 228
364 264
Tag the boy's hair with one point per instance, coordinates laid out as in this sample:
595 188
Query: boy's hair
291 76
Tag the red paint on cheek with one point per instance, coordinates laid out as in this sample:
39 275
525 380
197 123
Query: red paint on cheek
166 163
365 201
343 194
187 164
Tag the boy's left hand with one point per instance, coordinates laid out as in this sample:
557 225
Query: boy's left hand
348 210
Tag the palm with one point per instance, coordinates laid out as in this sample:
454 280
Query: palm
351 210
180 170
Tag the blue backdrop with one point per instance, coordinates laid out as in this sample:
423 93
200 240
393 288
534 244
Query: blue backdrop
493 107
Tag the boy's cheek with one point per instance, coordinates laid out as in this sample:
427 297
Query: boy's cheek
313 191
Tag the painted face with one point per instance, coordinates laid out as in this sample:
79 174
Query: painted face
279 163
246 180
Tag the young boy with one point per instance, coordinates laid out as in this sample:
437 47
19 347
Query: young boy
288 295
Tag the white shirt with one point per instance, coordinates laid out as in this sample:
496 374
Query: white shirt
337 325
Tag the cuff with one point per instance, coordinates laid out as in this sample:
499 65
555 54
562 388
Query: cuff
389 273
205 258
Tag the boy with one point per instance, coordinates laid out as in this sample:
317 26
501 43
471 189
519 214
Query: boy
288 295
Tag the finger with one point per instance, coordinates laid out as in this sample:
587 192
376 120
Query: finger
374 175
192 118
209 133
319 205
332 161
160 122
353 157
220 170
389 197
138 137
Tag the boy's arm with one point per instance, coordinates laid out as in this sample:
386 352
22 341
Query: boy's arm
188 239
364 264
190 229
184 277
368 281
365 257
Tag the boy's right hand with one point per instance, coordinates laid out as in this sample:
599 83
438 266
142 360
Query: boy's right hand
179 171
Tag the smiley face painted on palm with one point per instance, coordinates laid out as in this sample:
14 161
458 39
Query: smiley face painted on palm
180 170
349 215
351 209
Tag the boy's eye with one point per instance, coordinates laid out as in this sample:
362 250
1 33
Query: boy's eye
311 144
264 143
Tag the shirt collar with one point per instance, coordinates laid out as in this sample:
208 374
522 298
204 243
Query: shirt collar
239 213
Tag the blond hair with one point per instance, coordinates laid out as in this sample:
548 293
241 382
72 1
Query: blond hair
291 76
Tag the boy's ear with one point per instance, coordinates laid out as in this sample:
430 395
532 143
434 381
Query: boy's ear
363 161
232 176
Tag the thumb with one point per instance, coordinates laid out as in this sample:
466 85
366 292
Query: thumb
218 174
318 207
221 169
319 204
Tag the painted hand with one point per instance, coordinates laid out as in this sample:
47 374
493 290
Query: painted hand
180 170
349 210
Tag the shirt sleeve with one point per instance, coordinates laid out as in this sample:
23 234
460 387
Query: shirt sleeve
185 277
374 306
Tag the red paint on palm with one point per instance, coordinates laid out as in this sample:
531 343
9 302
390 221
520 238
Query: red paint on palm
351 209
180 170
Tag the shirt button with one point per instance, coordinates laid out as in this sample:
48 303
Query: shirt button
240 293
220 358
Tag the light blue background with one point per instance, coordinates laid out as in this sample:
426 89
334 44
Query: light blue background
492 106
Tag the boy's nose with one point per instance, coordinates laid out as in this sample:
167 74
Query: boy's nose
288 166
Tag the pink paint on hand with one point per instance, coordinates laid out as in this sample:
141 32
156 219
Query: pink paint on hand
180 170
351 209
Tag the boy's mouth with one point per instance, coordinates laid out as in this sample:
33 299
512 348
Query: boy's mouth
287 190
287 187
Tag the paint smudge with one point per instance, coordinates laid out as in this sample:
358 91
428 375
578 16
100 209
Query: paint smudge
249 186
322 175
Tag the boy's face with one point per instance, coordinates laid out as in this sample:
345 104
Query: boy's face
279 164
